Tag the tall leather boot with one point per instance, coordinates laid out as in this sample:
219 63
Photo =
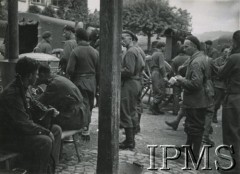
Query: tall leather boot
196 141
129 142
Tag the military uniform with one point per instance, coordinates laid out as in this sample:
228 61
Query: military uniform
195 99
43 47
231 111
19 133
68 47
83 70
63 95
219 87
132 67
158 74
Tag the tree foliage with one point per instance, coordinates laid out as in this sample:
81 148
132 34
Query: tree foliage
3 10
153 17
75 10
34 9
49 11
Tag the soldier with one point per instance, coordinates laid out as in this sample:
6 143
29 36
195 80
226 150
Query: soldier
195 96
83 69
63 95
69 44
132 67
231 111
45 45
210 51
158 77
219 85
18 131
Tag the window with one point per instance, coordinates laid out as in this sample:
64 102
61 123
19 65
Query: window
40 2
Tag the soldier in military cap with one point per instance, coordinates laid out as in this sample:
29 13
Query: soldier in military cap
132 66
45 45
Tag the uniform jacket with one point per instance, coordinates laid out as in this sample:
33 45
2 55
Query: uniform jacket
69 45
230 72
63 95
43 47
83 66
132 64
158 62
218 63
195 93
15 118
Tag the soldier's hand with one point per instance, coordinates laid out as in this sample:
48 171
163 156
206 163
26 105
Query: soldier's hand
85 135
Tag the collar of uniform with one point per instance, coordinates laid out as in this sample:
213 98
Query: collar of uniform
83 43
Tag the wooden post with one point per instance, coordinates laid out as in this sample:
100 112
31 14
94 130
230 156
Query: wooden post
7 66
109 98
13 33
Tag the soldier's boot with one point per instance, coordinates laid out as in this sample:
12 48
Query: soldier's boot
129 142
174 124
155 110
196 145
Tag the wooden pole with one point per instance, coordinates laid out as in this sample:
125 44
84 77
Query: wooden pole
109 98
7 66
13 32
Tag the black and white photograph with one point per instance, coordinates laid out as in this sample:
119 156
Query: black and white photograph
119 86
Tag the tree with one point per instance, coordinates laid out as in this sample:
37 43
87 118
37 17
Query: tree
3 10
93 19
49 11
75 10
34 9
153 17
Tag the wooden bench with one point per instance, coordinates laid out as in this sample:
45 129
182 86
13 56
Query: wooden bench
6 156
72 134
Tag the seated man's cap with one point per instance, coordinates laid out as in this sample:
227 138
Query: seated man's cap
134 37
46 34
194 40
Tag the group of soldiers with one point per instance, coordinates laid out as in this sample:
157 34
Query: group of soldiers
32 119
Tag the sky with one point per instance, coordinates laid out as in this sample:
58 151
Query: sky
207 15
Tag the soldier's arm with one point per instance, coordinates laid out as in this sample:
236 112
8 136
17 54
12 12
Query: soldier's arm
196 80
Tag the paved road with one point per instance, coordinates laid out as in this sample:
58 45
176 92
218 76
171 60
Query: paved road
153 132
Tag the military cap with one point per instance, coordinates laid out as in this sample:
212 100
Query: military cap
194 40
208 42
134 37
46 34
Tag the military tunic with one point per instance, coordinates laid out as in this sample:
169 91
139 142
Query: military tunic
43 47
63 95
83 70
158 74
195 97
231 111
132 66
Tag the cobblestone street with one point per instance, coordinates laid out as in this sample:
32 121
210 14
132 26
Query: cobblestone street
153 131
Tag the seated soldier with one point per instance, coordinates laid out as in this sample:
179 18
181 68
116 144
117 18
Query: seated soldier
18 131
63 95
